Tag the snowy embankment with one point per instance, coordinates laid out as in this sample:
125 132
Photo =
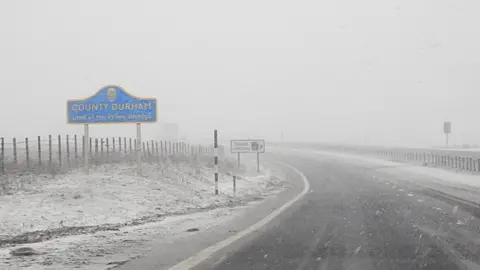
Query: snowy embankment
42 208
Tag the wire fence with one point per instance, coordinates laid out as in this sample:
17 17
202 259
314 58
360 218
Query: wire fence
55 154
447 160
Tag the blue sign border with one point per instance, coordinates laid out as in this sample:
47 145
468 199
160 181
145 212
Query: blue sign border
111 105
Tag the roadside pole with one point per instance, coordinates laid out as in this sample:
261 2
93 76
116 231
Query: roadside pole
446 140
238 162
139 148
258 162
86 148
215 146
234 185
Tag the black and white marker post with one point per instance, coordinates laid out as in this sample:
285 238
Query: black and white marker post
215 158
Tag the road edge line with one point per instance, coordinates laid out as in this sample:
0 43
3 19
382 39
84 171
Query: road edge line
208 252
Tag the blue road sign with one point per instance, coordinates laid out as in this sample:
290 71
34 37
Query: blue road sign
111 104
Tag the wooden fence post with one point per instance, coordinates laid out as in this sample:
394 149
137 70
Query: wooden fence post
113 145
153 150
96 147
130 145
90 144
2 155
101 147
76 147
50 152
27 154
68 149
143 145
60 151
119 144
125 145
39 147
15 150
83 147
107 146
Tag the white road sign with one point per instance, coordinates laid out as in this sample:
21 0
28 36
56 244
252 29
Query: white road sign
247 146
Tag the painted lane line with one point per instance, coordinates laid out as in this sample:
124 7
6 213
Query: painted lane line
210 251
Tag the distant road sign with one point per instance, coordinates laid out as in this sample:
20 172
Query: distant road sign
247 146
111 104
447 127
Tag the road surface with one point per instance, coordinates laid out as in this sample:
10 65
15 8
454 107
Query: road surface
360 216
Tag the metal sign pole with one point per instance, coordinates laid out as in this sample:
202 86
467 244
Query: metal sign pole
86 148
139 148
258 161
238 163
446 140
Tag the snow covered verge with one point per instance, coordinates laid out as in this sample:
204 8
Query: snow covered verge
71 220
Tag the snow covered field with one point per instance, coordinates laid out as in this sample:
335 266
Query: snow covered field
73 218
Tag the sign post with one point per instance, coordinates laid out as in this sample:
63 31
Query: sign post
215 153
112 104
248 146
258 162
447 129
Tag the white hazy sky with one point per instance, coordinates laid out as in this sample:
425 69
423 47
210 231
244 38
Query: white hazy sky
371 71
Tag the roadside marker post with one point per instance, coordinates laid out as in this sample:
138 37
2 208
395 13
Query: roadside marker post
215 158
258 162
234 185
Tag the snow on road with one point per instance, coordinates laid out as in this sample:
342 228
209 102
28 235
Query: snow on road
132 206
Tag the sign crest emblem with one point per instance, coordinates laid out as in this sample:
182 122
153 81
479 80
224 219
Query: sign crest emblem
111 94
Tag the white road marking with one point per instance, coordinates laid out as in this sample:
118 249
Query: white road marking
208 252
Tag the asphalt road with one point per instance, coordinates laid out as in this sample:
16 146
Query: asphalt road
362 217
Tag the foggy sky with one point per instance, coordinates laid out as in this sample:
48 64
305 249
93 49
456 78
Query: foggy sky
371 71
